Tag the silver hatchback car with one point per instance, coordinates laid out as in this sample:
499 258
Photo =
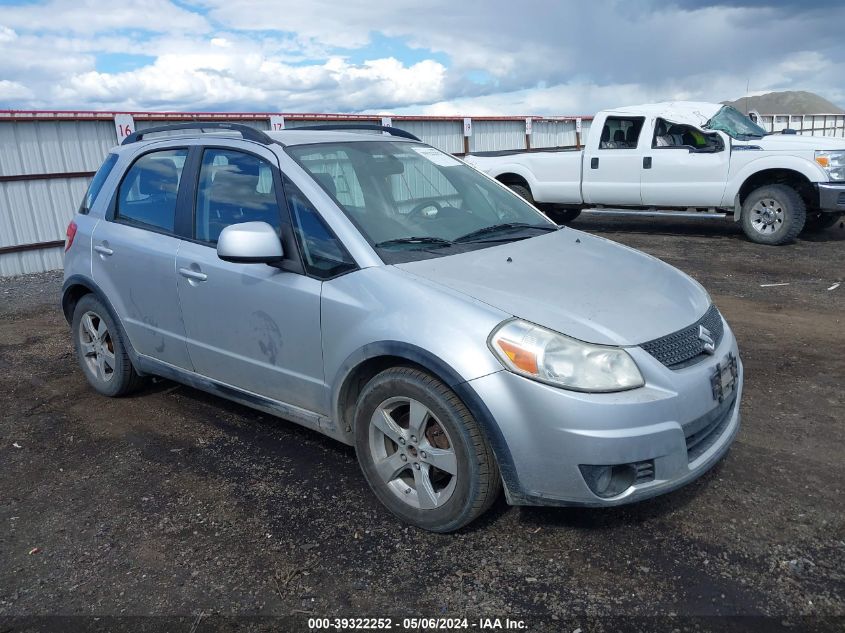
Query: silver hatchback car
379 291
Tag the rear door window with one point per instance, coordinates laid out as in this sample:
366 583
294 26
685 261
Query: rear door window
621 132
147 194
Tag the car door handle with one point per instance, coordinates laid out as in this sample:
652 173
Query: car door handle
193 274
103 250
646 162
594 163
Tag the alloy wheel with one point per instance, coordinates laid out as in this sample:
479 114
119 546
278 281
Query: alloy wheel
413 453
97 347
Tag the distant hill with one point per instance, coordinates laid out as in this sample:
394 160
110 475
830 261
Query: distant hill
788 102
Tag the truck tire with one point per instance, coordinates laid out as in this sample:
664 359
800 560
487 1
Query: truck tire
819 221
773 215
562 216
522 192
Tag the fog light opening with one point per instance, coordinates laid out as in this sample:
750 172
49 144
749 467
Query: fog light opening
609 481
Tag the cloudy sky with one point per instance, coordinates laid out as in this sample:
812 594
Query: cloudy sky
419 57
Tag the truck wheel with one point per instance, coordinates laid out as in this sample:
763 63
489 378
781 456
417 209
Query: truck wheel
562 216
422 452
522 192
819 221
773 214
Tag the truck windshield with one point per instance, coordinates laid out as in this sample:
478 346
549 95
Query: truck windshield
410 198
735 124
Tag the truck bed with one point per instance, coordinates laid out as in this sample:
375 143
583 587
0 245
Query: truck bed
553 175
533 150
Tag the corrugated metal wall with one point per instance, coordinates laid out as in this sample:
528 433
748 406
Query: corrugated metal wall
46 159
38 210
809 124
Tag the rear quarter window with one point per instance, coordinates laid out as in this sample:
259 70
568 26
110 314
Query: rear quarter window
97 183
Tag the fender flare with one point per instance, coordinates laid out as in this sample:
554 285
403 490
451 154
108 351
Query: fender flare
806 168
517 170
463 388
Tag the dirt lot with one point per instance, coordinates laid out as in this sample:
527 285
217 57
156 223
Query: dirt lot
175 503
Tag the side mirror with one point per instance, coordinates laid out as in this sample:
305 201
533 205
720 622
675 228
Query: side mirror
250 243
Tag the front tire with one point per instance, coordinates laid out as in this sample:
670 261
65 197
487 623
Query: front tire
818 221
422 452
773 215
100 349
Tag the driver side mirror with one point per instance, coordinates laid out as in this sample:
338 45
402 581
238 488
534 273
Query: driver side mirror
250 243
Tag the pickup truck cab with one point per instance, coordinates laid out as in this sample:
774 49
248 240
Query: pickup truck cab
685 155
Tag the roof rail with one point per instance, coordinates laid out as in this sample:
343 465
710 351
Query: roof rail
393 131
247 132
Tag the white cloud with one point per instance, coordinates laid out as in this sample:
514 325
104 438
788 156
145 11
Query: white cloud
321 55
97 16
11 91
7 34
239 74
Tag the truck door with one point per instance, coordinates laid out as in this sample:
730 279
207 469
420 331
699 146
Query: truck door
684 167
612 163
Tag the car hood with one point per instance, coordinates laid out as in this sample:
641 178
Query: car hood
577 284
794 142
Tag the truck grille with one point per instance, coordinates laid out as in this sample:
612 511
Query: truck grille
684 347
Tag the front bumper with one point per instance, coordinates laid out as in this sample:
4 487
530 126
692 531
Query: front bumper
673 426
831 196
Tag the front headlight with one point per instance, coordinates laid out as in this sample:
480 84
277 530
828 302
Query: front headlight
544 355
833 162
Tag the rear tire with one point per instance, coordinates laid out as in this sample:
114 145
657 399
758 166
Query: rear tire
773 215
523 192
422 452
819 221
562 216
100 349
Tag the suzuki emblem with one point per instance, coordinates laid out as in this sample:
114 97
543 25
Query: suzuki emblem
706 338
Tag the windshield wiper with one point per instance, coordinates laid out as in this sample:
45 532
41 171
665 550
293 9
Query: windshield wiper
427 240
498 228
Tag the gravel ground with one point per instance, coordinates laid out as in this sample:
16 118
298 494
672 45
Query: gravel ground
177 504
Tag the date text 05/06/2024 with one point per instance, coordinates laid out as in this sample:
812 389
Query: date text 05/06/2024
416 624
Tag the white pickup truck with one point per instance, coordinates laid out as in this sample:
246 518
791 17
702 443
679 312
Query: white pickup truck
682 156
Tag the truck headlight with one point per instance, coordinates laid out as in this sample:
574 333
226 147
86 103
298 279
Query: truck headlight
549 357
833 162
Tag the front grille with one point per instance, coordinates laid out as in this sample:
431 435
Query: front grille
703 432
685 347
840 202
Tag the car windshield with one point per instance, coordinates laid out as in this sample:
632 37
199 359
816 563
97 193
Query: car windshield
735 124
412 201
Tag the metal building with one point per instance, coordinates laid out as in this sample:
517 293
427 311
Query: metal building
806 124
48 157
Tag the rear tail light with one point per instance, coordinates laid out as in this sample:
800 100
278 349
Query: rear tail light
69 235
